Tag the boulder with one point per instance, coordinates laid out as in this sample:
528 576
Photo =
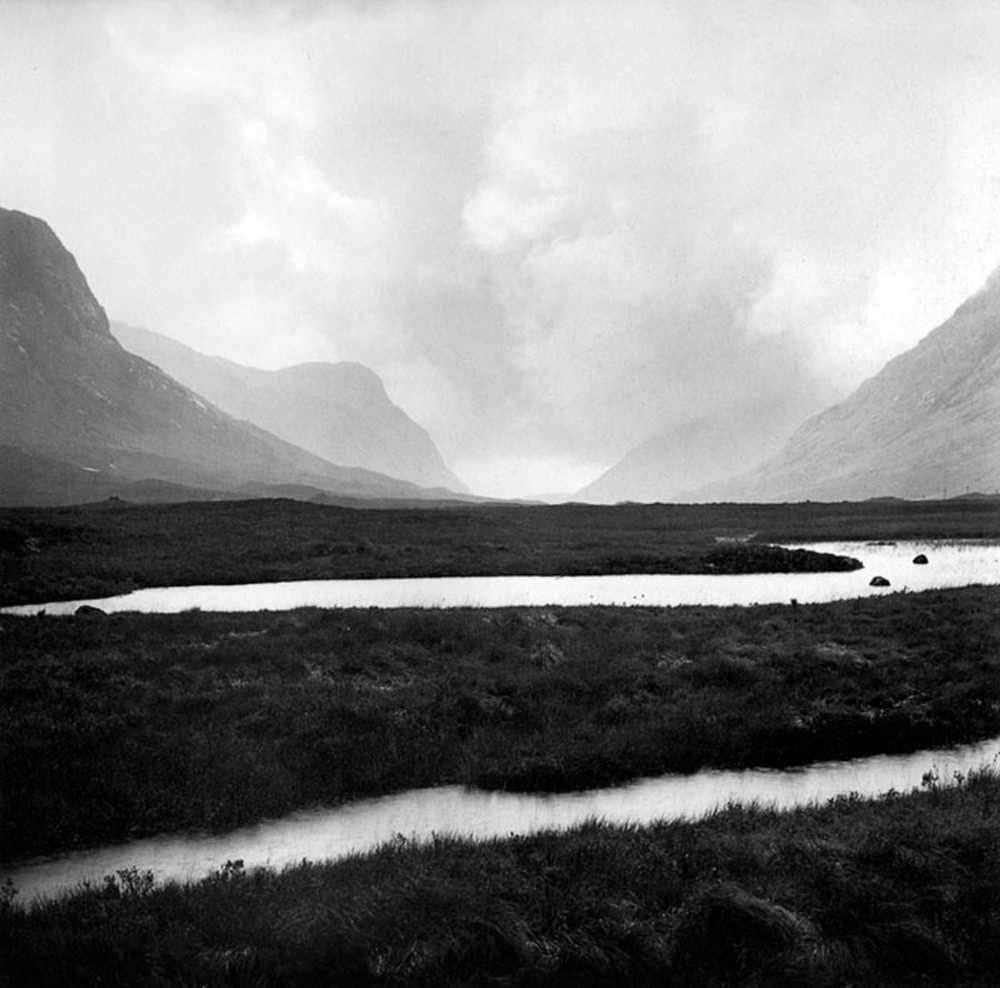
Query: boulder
878 581
88 610
920 559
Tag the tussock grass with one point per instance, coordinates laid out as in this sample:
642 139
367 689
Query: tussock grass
900 891
104 549
135 725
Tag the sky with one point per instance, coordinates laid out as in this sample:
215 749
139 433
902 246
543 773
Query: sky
553 229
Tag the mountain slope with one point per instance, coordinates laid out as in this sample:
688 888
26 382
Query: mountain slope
671 463
338 411
928 424
70 392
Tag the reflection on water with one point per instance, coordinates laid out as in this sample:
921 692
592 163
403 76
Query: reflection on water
419 814
951 564
333 833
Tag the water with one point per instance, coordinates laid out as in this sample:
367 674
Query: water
952 564
328 834
333 833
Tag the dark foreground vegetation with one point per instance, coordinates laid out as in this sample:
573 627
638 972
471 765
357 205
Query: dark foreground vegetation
131 725
903 891
113 547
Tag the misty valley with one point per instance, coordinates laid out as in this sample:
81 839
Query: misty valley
303 678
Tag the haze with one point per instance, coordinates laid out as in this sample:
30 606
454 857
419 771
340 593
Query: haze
553 230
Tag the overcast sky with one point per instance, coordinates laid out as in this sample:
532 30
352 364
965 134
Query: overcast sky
553 228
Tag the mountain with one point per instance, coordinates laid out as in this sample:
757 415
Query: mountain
667 466
927 425
31 478
71 396
338 411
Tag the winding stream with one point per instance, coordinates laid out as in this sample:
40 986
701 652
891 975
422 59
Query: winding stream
357 827
952 564
328 834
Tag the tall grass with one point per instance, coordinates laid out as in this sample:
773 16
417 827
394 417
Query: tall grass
135 725
902 891
98 550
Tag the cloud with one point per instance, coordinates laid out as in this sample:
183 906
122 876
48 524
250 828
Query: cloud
554 230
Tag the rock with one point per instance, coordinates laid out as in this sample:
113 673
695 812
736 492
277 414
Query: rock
878 581
672 661
920 560
841 656
88 610
547 655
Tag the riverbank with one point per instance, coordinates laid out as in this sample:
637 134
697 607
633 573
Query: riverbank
133 725
111 548
901 891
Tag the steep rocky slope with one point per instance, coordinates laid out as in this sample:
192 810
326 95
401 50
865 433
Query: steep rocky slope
927 425
70 393
338 411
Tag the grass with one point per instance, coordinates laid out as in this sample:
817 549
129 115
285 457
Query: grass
108 548
132 725
902 891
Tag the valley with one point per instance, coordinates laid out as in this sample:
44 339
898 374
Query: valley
107 548
165 468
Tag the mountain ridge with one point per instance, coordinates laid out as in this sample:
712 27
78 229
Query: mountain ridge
71 393
926 425
671 463
339 411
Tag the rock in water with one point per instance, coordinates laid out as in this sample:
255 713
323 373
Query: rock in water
878 581
920 560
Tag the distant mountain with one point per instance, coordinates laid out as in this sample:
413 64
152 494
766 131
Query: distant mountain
670 464
338 411
927 425
71 396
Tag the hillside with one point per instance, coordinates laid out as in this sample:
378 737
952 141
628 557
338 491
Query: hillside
673 462
338 411
70 394
927 425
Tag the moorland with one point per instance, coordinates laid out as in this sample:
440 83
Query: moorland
125 725
901 891
112 547
135 724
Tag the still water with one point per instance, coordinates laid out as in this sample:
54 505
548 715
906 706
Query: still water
951 564
419 814
327 834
